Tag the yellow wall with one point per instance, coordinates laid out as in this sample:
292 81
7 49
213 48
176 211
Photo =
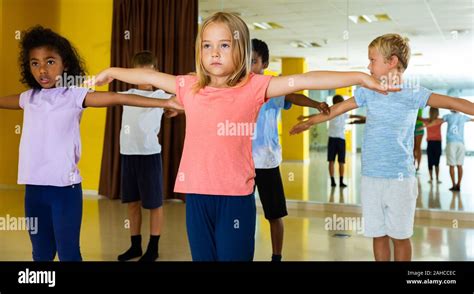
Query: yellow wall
294 147
87 24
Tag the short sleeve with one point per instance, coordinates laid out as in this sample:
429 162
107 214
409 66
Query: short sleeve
421 97
259 87
360 96
79 95
446 117
184 85
466 118
25 98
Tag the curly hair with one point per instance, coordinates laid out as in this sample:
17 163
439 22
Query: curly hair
261 48
38 36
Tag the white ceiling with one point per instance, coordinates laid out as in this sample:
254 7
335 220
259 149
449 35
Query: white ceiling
447 59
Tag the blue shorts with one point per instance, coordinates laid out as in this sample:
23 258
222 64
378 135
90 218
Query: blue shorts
142 180
59 214
221 228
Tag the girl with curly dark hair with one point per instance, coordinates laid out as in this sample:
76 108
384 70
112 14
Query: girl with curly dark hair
50 146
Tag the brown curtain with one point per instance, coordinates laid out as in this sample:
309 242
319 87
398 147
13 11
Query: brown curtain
168 28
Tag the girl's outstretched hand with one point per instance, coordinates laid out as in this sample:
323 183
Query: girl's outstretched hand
174 107
103 78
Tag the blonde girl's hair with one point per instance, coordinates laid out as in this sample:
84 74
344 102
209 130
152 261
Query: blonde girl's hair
241 49
434 113
393 45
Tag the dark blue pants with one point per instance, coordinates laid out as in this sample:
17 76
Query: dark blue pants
59 214
221 228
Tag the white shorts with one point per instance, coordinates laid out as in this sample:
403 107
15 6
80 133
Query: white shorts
455 153
388 206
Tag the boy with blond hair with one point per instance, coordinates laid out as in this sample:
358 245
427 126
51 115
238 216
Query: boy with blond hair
388 184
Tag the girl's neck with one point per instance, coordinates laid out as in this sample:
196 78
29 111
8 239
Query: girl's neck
218 82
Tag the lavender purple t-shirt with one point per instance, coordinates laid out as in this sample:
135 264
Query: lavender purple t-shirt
50 146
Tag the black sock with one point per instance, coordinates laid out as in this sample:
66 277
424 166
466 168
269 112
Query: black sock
333 182
134 251
151 253
341 182
276 258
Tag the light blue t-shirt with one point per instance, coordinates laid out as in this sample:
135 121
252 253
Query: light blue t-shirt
456 123
387 148
266 149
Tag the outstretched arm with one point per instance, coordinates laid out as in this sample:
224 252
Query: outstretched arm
10 102
105 99
336 110
448 102
319 80
302 100
137 76
436 122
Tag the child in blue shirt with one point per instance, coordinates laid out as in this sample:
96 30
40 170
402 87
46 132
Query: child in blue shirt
389 188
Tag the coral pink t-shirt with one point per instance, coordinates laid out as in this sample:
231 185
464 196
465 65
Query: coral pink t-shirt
434 133
220 125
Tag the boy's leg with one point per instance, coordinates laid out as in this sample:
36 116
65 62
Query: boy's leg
150 185
341 159
272 196
156 221
67 218
38 210
332 150
131 196
431 174
460 172
437 173
156 224
451 173
400 215
341 169
331 173
341 175
276 231
235 228
372 196
381 248
200 225
331 169
135 217
402 249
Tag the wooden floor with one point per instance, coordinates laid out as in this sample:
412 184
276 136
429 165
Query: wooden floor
104 236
